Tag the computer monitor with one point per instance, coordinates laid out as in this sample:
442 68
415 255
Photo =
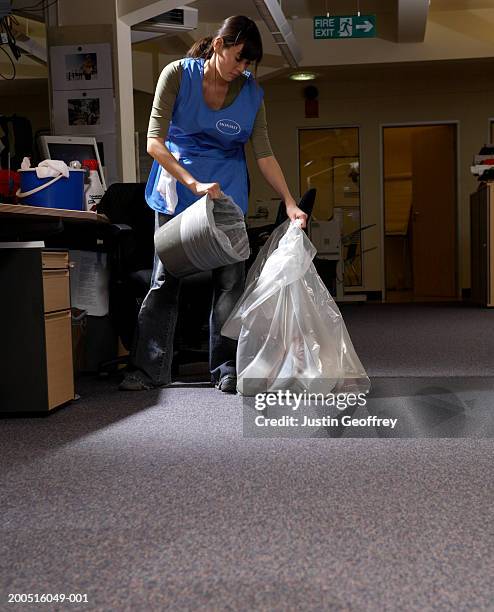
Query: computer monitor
71 148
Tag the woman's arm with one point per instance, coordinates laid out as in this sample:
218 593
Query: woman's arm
165 96
159 152
273 174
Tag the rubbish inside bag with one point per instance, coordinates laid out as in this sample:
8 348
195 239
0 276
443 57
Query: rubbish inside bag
291 335
206 235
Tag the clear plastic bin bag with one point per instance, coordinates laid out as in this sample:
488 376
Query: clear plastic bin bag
291 335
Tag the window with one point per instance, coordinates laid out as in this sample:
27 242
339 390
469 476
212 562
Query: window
329 161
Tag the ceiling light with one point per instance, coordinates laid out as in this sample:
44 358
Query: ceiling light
303 76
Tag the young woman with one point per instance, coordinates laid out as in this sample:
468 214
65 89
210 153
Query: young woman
206 107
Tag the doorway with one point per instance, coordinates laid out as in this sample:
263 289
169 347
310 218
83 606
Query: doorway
420 212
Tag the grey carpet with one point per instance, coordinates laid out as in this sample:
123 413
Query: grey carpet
422 340
155 500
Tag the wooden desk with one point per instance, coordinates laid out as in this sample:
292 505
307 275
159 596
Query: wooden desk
38 213
35 316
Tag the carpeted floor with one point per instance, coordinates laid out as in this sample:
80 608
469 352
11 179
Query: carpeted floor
422 340
156 501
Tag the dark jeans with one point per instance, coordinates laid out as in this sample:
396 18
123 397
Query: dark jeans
152 350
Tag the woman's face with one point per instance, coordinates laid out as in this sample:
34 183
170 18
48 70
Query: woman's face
228 61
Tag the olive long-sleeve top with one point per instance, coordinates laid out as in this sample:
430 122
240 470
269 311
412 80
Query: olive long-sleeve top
164 100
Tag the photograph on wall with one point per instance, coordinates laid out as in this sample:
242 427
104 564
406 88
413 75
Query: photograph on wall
76 66
84 112
81 66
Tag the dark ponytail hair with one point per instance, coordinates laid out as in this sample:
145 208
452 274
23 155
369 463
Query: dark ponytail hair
201 48
234 31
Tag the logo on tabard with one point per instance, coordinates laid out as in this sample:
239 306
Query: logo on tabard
228 126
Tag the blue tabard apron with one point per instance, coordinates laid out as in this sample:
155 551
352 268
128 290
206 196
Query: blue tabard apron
209 143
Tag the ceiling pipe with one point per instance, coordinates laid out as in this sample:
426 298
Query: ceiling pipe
280 29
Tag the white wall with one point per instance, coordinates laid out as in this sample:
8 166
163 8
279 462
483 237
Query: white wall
372 96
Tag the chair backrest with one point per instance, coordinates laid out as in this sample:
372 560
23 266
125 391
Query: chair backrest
351 252
306 204
124 203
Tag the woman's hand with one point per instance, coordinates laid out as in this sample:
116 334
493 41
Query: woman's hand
271 171
294 212
213 189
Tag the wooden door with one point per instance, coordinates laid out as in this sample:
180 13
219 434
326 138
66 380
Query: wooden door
434 212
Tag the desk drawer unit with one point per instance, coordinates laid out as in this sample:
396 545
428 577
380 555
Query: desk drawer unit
35 331
55 260
56 290
58 334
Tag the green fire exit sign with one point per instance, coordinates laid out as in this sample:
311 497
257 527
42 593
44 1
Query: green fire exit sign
351 26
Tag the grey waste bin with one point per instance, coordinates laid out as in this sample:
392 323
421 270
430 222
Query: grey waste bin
206 235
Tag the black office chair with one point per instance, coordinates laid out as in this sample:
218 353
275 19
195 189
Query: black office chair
259 235
131 250
306 204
